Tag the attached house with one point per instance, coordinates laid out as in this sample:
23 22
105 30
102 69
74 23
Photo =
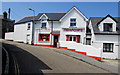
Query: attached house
97 38
104 34
50 28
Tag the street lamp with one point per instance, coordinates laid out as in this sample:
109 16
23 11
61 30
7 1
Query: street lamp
32 42
33 13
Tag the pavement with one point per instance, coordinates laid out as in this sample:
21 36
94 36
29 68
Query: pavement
36 59
112 62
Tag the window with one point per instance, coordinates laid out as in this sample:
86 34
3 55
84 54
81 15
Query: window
70 38
72 22
88 41
44 37
107 47
75 38
108 27
43 25
28 26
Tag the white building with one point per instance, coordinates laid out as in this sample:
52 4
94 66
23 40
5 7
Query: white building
105 34
49 28
68 31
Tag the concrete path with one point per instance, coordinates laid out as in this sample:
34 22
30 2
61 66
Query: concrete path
36 59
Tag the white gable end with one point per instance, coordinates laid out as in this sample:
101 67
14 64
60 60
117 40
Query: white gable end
74 8
80 20
43 17
107 20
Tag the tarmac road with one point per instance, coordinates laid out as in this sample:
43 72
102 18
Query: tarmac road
36 60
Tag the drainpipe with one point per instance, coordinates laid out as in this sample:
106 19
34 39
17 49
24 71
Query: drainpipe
51 31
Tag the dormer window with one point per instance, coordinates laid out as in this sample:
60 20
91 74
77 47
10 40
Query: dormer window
108 27
43 25
72 22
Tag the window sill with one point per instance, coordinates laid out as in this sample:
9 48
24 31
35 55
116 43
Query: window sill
44 41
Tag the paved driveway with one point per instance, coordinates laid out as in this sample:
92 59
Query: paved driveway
36 59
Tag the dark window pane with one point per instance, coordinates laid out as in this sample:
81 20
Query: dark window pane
74 38
43 25
70 38
72 22
107 26
107 47
28 26
88 41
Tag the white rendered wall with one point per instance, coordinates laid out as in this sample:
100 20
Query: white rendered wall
21 32
38 30
98 40
9 35
80 23
56 25
91 51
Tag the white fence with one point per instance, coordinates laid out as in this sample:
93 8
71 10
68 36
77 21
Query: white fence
9 35
90 51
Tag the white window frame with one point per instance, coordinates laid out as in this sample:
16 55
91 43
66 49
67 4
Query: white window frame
73 37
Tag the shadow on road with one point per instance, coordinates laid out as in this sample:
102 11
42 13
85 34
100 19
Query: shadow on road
27 63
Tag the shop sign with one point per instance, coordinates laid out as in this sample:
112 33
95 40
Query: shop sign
75 30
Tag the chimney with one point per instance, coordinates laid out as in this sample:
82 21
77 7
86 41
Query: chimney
5 15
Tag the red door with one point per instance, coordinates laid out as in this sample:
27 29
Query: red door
78 39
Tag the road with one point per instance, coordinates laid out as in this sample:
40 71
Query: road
38 60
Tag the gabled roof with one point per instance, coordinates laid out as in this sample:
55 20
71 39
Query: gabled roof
106 17
74 7
25 19
51 16
96 20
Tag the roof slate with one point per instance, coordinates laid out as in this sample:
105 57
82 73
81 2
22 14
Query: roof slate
55 16
25 19
51 16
